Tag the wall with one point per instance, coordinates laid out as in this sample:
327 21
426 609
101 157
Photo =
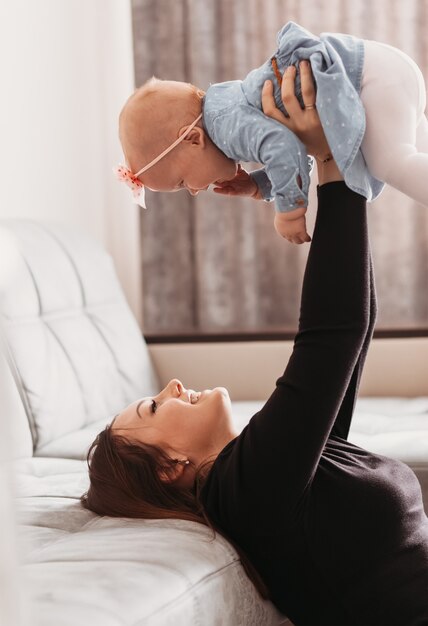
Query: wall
394 367
67 68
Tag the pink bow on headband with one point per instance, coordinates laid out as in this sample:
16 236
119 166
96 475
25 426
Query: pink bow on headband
126 176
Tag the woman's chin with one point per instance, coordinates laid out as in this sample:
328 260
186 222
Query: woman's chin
218 397
223 391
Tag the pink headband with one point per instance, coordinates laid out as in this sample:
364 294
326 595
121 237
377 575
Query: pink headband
125 175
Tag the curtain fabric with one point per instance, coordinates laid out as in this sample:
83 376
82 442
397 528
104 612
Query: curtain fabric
216 263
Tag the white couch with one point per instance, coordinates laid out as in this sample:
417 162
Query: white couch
75 357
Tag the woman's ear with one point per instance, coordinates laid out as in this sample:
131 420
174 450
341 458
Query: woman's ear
174 472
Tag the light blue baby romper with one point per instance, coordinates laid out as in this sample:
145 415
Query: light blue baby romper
233 117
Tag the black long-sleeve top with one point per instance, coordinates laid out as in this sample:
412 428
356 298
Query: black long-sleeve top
338 534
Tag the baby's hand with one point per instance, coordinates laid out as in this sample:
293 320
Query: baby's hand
241 185
292 228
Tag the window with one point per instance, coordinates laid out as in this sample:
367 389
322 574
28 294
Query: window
214 264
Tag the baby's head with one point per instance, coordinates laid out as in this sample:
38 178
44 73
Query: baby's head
157 114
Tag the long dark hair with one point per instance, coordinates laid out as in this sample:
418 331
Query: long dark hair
125 481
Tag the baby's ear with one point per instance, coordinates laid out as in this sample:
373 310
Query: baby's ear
197 136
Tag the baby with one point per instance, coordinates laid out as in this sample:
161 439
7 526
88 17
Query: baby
370 98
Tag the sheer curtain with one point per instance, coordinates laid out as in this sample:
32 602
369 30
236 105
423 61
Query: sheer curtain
214 263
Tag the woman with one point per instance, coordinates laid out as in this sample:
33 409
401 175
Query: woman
333 533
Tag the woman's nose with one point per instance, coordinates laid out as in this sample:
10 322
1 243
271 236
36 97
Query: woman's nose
175 387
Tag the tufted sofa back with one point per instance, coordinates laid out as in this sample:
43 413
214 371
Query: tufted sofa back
74 349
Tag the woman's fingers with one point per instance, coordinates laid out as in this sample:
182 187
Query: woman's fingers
288 95
304 123
307 83
269 106
289 98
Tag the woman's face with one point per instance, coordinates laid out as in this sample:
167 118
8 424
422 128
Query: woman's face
186 424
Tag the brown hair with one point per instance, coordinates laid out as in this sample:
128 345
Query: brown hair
125 482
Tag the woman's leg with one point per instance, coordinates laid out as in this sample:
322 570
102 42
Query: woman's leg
394 144
346 411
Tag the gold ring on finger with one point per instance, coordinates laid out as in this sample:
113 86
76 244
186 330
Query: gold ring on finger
310 106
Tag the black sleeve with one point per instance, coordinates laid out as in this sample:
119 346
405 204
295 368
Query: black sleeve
277 454
344 417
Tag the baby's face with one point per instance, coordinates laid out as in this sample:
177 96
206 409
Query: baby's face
194 165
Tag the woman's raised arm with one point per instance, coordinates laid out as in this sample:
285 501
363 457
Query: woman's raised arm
283 443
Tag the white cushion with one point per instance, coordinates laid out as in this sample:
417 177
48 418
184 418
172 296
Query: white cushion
74 445
395 427
78 351
12 412
85 569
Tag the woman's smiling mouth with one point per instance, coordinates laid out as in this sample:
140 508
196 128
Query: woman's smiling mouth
194 396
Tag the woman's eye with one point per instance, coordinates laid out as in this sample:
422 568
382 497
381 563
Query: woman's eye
154 406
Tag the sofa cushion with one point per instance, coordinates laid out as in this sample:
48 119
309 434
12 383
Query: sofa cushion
74 445
77 350
84 569
395 427
12 412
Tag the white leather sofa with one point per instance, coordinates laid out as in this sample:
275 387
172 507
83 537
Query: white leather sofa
75 357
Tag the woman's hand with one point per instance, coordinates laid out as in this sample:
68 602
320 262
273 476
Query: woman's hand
305 123
241 185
